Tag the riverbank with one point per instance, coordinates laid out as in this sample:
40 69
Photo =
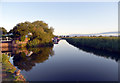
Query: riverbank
8 71
101 43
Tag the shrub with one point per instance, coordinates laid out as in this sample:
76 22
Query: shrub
5 58
33 43
22 38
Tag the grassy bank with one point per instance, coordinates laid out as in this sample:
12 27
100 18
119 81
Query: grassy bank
101 43
8 70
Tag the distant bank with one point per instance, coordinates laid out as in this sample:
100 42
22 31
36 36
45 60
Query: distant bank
114 33
110 44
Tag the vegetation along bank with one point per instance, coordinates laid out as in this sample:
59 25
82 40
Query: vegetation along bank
8 71
102 43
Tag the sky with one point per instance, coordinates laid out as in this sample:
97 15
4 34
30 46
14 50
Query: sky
65 17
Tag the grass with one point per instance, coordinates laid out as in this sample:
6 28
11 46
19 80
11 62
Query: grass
102 43
8 70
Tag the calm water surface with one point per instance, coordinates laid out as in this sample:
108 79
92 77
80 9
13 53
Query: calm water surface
64 62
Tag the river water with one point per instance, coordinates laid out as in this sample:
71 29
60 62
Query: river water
64 62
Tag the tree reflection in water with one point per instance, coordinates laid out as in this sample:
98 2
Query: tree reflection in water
39 55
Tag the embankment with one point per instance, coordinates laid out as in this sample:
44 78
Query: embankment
8 71
110 44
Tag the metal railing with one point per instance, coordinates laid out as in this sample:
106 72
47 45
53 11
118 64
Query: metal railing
5 39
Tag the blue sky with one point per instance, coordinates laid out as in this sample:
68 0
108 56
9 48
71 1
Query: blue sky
64 17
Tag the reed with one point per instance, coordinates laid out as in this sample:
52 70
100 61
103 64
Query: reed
101 43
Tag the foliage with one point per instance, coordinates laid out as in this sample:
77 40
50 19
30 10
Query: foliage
22 38
33 43
3 30
11 31
102 43
16 77
8 69
5 58
41 32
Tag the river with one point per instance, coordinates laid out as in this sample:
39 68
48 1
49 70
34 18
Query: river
64 62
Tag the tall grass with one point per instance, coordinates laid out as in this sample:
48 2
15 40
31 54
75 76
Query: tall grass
101 43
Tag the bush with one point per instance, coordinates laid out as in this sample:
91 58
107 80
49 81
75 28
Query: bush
22 38
5 58
33 43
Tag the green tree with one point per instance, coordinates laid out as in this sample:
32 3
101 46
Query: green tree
11 31
22 29
3 30
39 29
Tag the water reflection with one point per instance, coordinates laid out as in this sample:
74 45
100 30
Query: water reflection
105 54
25 59
68 63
